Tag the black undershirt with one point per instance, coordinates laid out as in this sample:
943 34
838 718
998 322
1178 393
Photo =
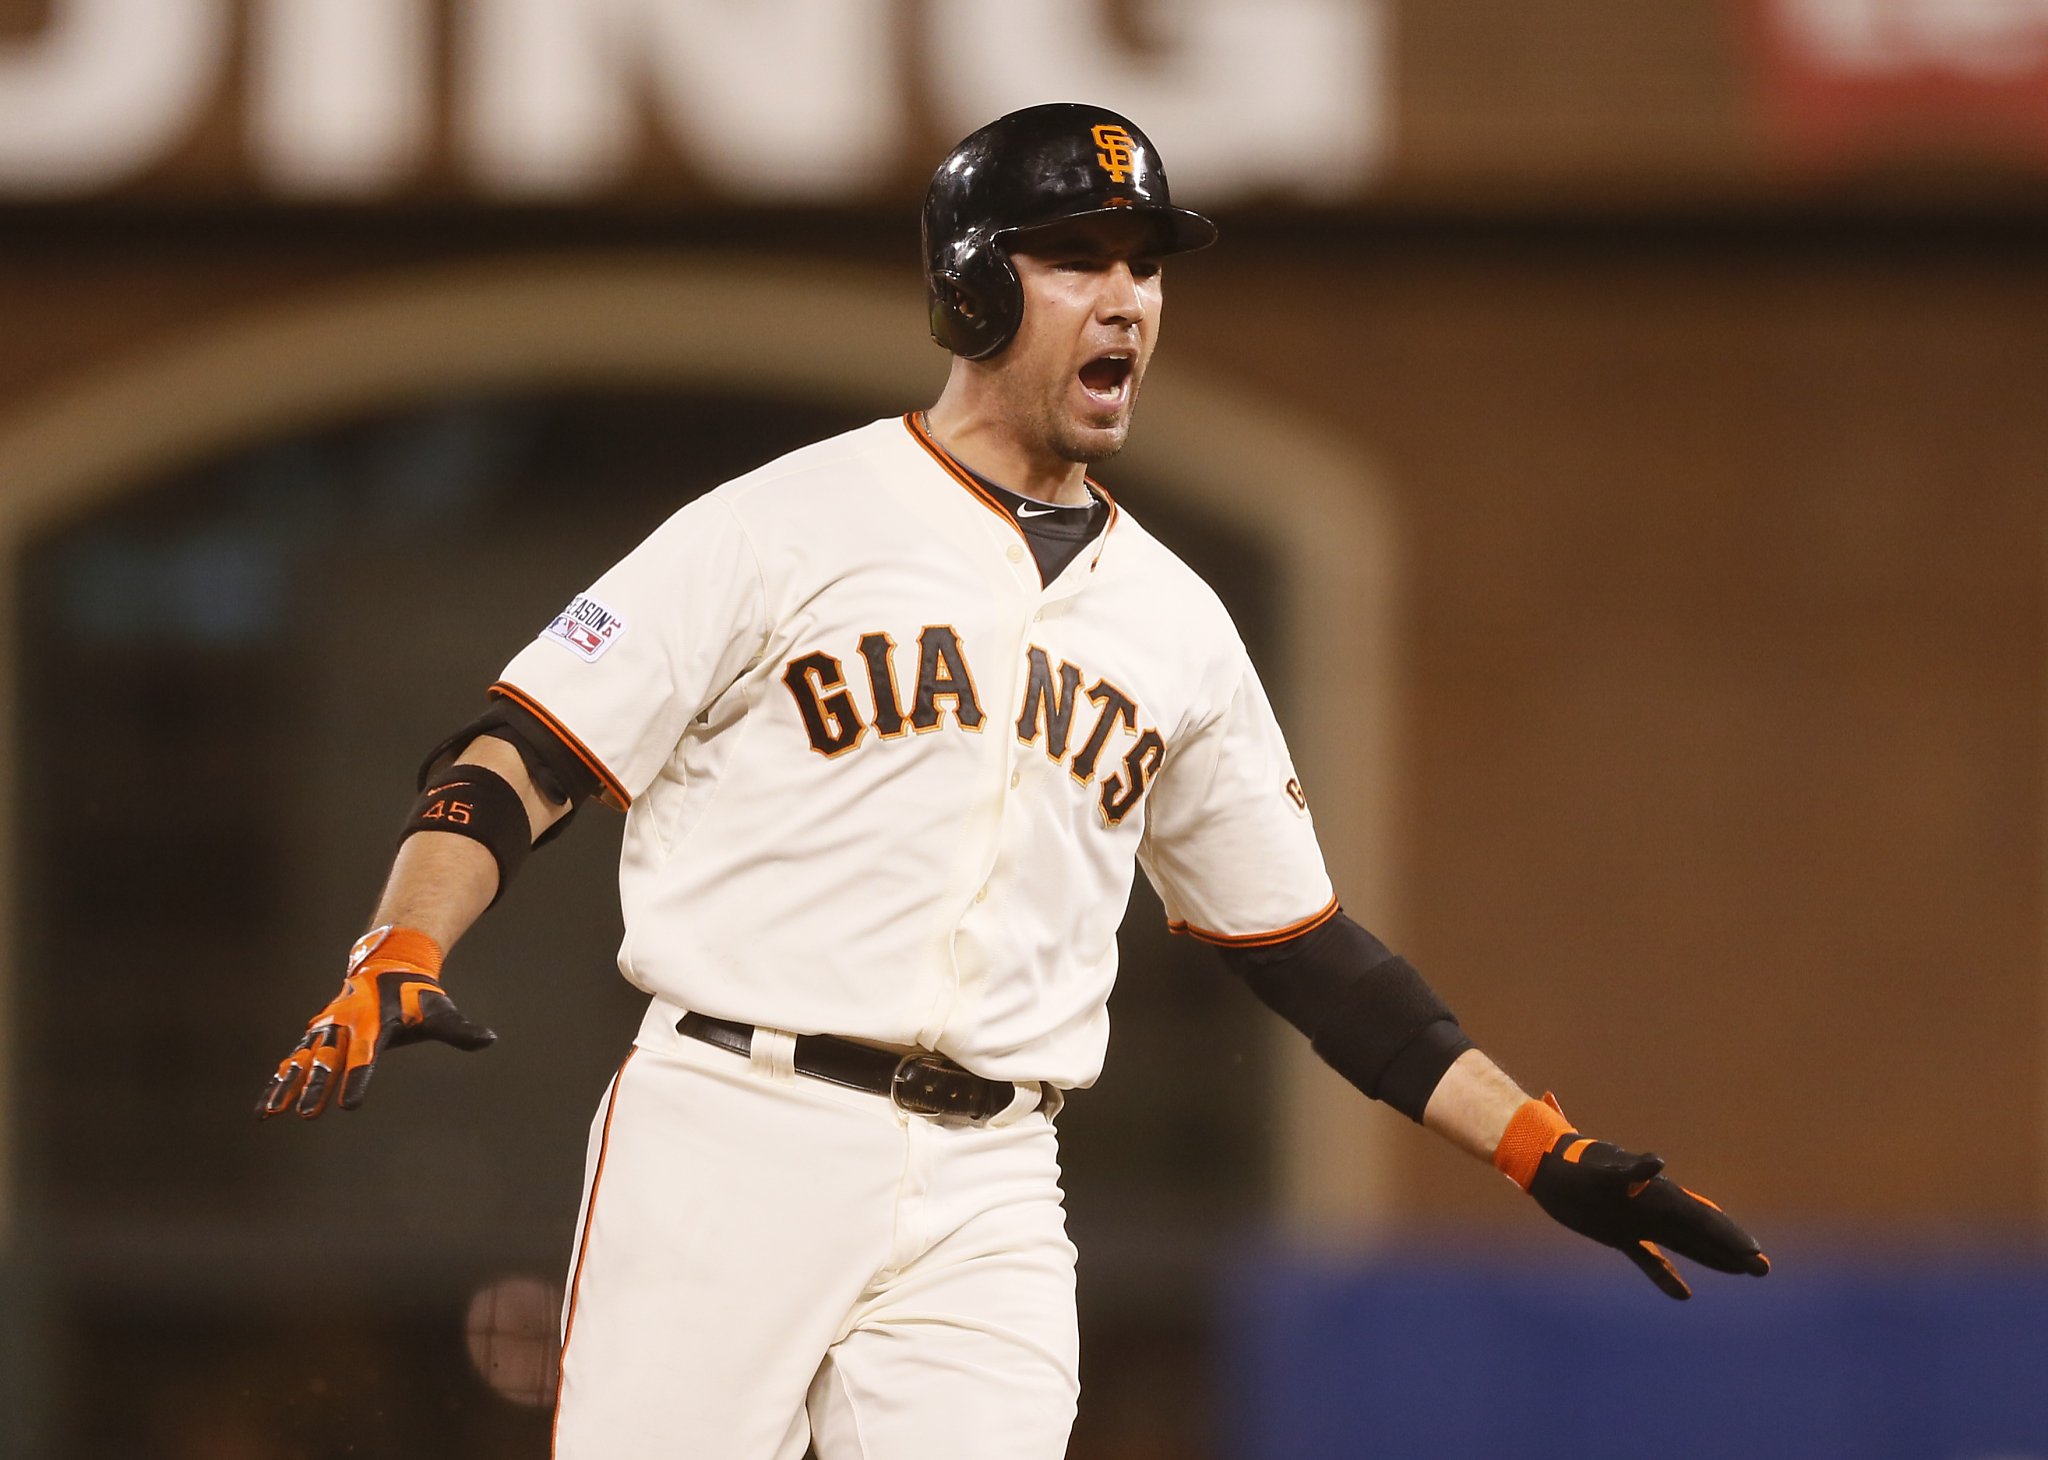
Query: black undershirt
1056 534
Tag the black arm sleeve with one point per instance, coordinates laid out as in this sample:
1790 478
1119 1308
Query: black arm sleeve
1367 1013
558 772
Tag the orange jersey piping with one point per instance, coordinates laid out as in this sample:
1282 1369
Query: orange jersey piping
914 422
604 1146
1258 940
1114 512
955 470
614 793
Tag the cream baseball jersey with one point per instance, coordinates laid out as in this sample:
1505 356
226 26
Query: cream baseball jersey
882 782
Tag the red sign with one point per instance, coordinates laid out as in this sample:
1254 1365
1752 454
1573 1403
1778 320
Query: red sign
1927 81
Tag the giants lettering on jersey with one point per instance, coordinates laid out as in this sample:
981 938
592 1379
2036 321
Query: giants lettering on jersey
944 685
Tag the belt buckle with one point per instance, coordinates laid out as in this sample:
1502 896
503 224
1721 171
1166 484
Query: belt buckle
914 1087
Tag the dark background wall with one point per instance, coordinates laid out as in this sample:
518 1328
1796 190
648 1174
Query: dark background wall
1727 664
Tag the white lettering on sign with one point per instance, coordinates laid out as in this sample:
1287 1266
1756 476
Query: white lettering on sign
341 92
104 90
764 99
770 98
1989 38
1280 97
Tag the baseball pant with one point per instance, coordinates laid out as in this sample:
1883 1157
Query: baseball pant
766 1260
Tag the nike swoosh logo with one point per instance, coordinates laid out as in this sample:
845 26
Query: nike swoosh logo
1035 511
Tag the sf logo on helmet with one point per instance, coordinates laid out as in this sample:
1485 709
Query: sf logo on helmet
1117 151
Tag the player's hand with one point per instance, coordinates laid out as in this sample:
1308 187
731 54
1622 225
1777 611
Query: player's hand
1622 1199
391 996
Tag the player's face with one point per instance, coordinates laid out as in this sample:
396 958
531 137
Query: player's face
1092 299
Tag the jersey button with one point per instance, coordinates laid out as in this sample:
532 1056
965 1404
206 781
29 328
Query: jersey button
1016 779
981 896
1016 553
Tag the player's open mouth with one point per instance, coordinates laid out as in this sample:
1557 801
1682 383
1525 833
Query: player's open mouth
1106 376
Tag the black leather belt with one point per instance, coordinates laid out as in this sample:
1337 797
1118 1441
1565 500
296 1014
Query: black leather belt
926 1084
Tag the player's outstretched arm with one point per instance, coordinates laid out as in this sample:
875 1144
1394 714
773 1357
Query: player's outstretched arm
440 884
1374 1019
1599 1190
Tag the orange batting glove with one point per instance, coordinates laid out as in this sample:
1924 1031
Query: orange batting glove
391 996
1620 1198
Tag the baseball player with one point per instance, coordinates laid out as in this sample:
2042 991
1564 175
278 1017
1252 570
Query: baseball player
893 719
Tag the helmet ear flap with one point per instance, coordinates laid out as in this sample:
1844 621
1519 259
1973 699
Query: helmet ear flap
960 300
954 310
977 307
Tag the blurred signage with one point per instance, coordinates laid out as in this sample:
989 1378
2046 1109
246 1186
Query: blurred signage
766 100
1861 80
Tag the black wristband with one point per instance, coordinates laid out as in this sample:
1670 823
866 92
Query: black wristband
556 771
476 802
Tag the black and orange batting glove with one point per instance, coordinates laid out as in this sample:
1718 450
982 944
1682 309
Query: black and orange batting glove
391 996
1620 1198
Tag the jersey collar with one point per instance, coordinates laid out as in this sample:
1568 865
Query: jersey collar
920 431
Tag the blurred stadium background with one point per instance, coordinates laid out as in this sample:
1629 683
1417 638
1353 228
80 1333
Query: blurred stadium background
1618 427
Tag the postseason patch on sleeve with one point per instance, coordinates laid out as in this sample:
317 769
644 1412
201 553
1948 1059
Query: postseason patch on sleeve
586 627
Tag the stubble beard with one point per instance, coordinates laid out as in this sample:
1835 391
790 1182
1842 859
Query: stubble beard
1072 441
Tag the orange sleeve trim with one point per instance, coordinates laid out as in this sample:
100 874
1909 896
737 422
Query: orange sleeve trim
614 793
1258 940
604 1146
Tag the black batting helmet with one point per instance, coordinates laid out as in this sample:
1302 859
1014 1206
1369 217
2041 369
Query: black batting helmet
1045 164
